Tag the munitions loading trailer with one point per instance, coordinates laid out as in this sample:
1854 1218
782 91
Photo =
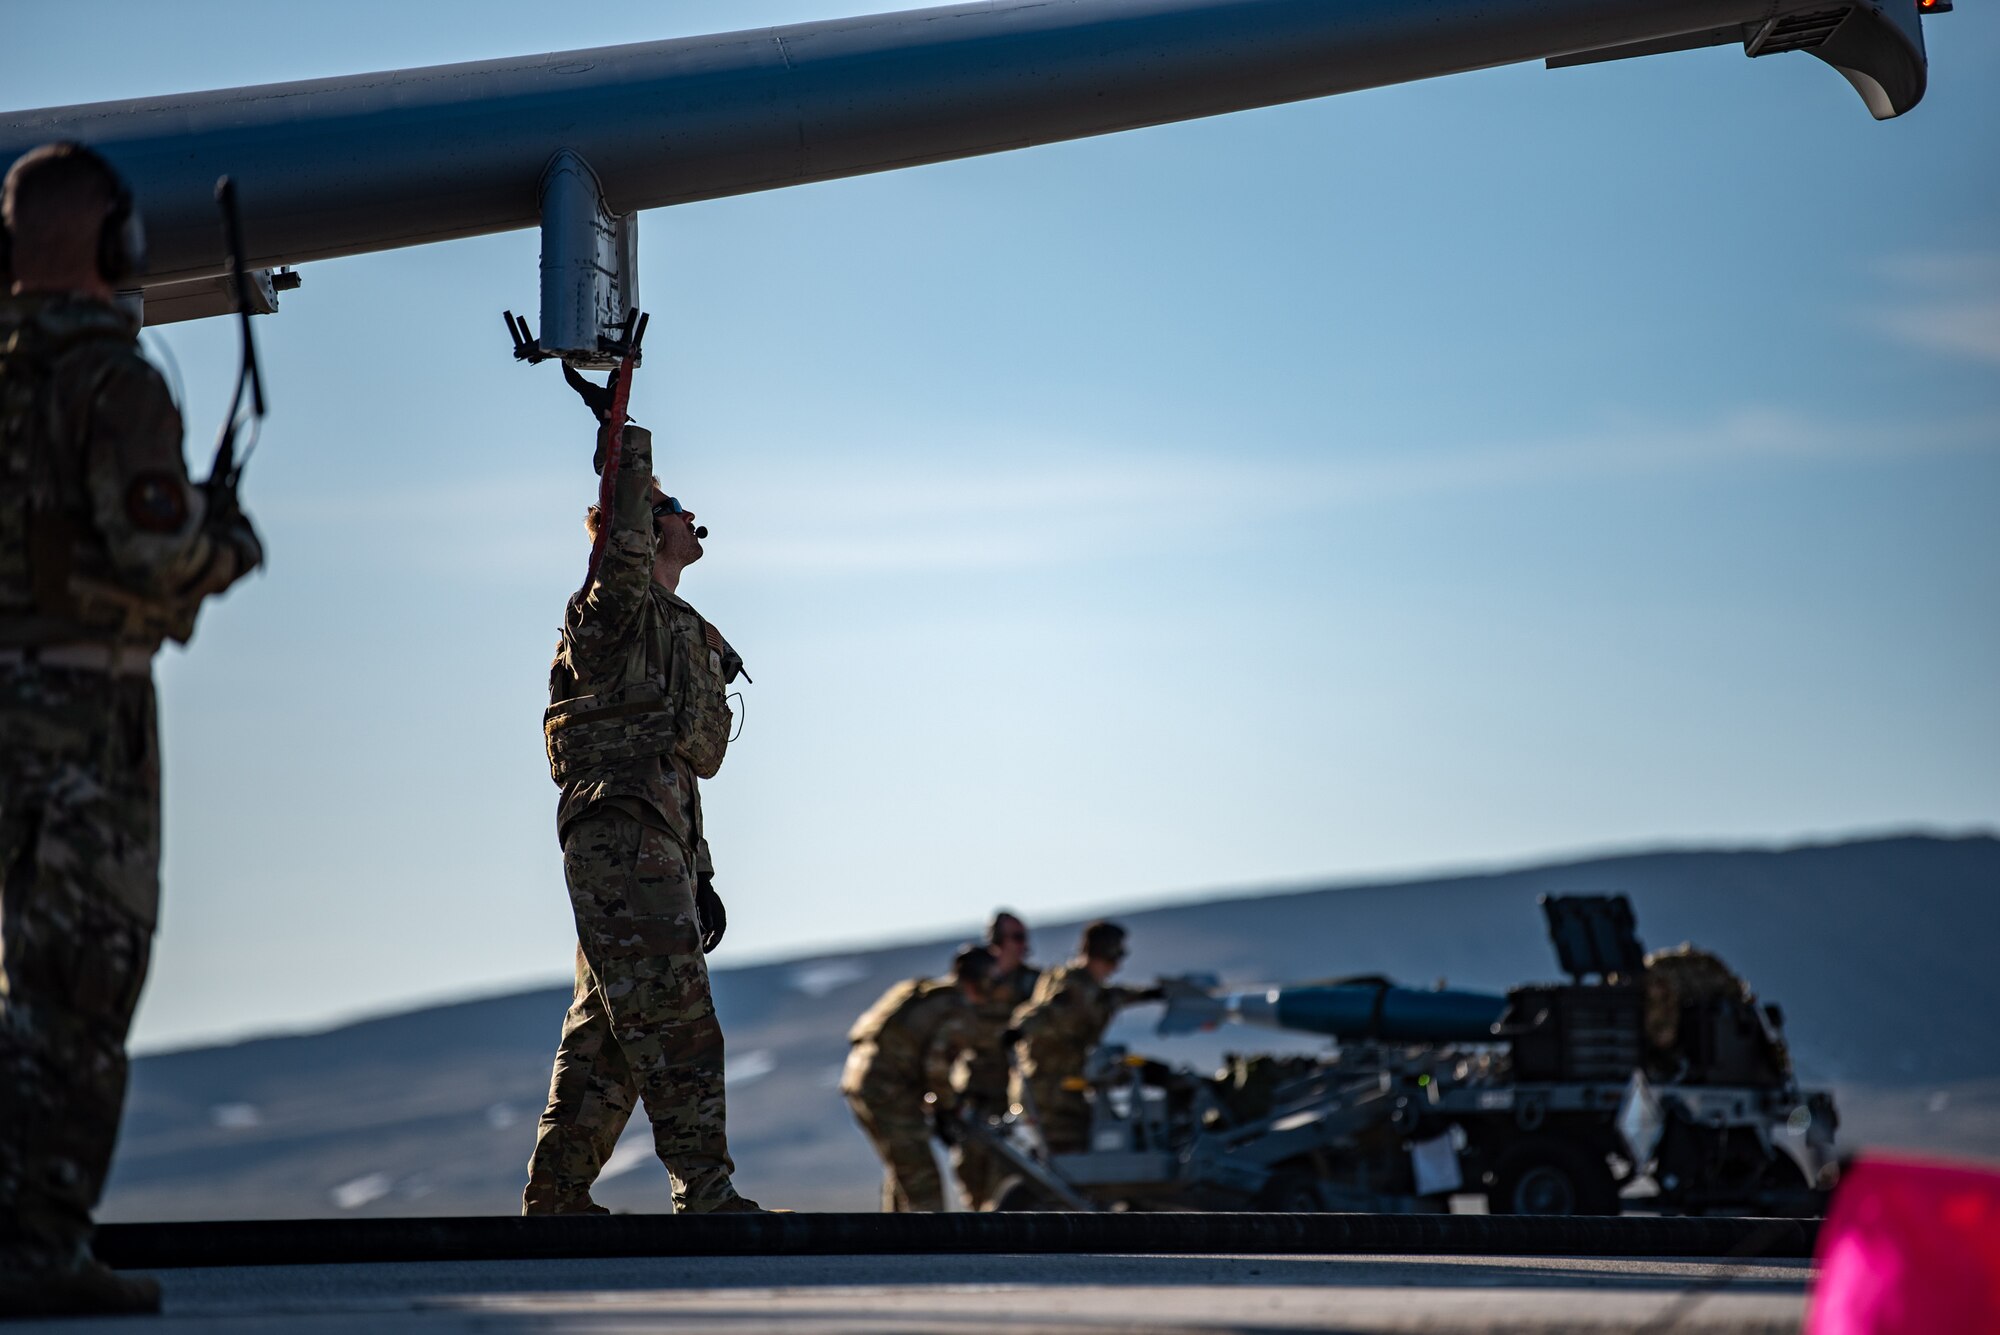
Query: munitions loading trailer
1547 1101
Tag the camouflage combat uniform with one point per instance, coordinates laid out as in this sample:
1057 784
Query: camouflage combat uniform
1059 1026
637 715
105 551
1683 976
981 1079
904 1048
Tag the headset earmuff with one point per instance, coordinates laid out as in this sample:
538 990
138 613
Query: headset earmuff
121 237
121 242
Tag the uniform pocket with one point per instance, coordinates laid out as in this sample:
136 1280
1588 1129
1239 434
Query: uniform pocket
704 722
600 859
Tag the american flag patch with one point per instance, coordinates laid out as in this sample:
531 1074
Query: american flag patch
712 636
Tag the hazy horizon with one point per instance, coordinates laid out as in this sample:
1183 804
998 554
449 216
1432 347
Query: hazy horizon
1048 950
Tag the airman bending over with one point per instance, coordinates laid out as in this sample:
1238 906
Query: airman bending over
898 1075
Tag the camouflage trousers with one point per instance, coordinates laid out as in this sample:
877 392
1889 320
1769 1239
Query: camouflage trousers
979 1171
79 882
641 1026
894 1122
1062 1114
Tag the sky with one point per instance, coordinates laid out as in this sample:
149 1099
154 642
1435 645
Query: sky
1451 475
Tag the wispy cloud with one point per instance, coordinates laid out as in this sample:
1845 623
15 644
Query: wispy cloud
1063 502
1950 304
1077 504
1967 328
1946 268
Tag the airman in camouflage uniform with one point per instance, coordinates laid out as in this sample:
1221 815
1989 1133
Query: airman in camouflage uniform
981 1074
106 550
1072 1005
898 1075
637 716
1683 976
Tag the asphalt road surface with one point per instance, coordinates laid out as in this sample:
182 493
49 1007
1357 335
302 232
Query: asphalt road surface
980 1295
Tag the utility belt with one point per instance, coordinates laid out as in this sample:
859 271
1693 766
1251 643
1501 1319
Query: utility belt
634 722
119 660
590 731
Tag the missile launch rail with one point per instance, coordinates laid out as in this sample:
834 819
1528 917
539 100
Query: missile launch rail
1546 1101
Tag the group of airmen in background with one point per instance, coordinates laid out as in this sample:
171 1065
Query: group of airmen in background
992 1035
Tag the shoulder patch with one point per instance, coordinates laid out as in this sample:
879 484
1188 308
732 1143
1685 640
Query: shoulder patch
712 636
156 503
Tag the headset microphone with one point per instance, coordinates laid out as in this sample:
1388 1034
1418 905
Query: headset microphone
701 532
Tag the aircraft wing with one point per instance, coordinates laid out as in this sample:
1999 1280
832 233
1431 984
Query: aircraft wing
360 163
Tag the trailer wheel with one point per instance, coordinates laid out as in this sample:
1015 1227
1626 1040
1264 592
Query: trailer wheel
1547 1175
1784 1192
1018 1193
1290 1192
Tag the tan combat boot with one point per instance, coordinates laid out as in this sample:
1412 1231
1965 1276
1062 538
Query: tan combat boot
89 1288
585 1206
732 1205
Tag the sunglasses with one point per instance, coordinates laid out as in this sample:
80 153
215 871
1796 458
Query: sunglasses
667 505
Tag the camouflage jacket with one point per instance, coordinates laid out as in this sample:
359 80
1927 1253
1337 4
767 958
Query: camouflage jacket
1065 1018
102 537
982 1072
909 1039
1677 977
637 705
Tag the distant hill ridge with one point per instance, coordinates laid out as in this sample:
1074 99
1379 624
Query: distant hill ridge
1878 949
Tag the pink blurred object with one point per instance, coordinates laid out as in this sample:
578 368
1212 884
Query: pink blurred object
1910 1248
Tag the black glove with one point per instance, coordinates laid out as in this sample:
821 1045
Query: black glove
946 1126
597 398
1153 993
249 547
710 916
227 524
